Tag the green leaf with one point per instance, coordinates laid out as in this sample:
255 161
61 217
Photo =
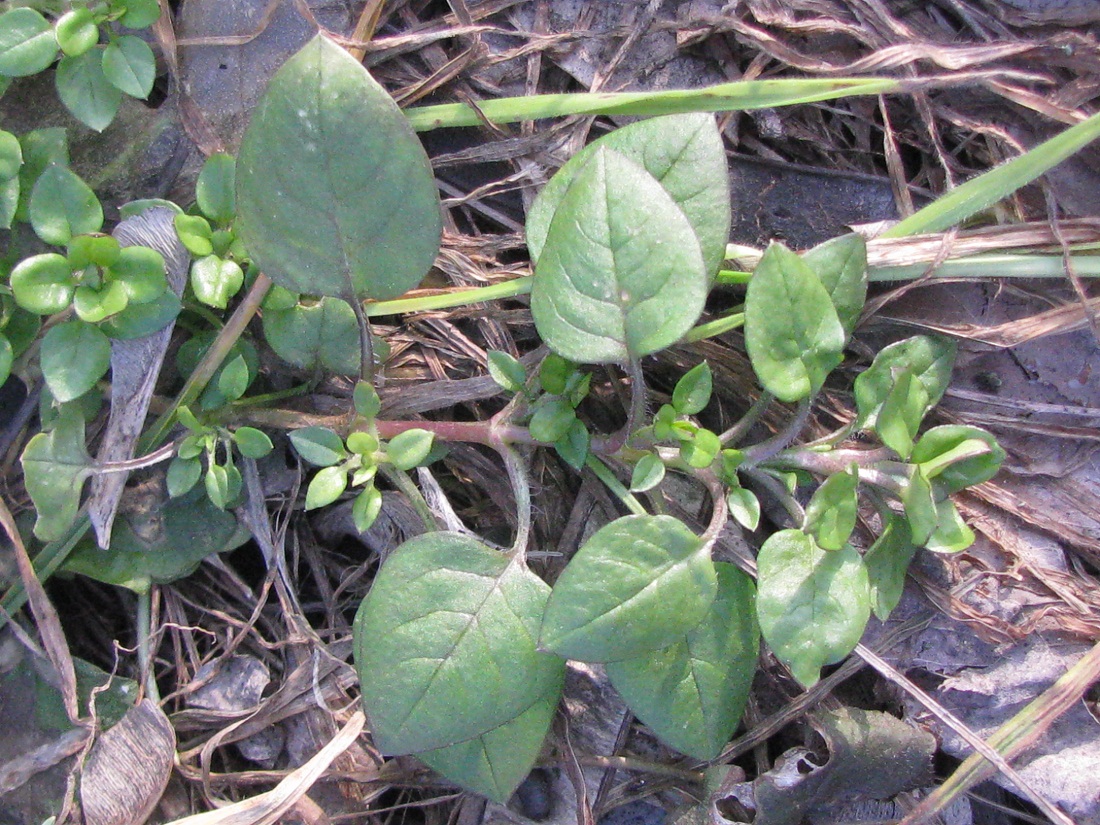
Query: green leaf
76 31
335 194
552 419
139 320
900 415
958 456
233 379
621 275
22 329
887 560
129 65
692 392
216 280
554 373
831 512
215 190
506 371
223 485
323 334
701 449
647 474
693 692
928 358
319 446
9 201
952 534
93 250
183 474
637 585
445 644
41 149
362 443
27 43
11 155
7 358
841 264
409 449
43 283
792 331
62 205
252 443
94 305
365 508
813 604
195 233
160 542
55 466
74 356
366 400
495 763
573 446
86 92
327 486
920 505
140 14
141 270
744 507
684 153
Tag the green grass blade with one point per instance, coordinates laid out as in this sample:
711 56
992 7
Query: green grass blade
724 97
992 266
985 190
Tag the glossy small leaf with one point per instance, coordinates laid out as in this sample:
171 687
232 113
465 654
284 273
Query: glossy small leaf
130 66
638 584
683 153
409 449
215 189
900 415
215 280
929 359
75 355
365 508
362 443
812 603
552 419
554 373
62 205
43 283
183 474
42 148
366 400
495 763
887 560
701 450
335 194
631 281
920 505
445 644
319 446
327 486
507 371
956 456
76 31
95 305
141 270
93 250
252 443
573 446
11 155
647 473
952 533
234 378
223 485
140 14
195 233
832 510
841 265
692 392
9 201
85 90
27 43
55 466
744 506
792 331
139 320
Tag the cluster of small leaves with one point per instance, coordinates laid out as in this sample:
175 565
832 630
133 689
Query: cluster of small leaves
212 448
98 65
354 461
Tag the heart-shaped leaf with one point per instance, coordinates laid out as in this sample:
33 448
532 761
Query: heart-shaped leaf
494 763
693 692
335 194
686 156
621 274
55 466
812 603
638 584
445 644
321 334
792 331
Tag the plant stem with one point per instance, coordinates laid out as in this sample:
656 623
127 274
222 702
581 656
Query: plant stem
759 453
366 342
144 633
724 97
451 298
521 488
615 442
716 327
401 480
738 431
604 474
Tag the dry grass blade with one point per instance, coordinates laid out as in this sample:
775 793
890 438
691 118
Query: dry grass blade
1014 736
983 748
267 808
